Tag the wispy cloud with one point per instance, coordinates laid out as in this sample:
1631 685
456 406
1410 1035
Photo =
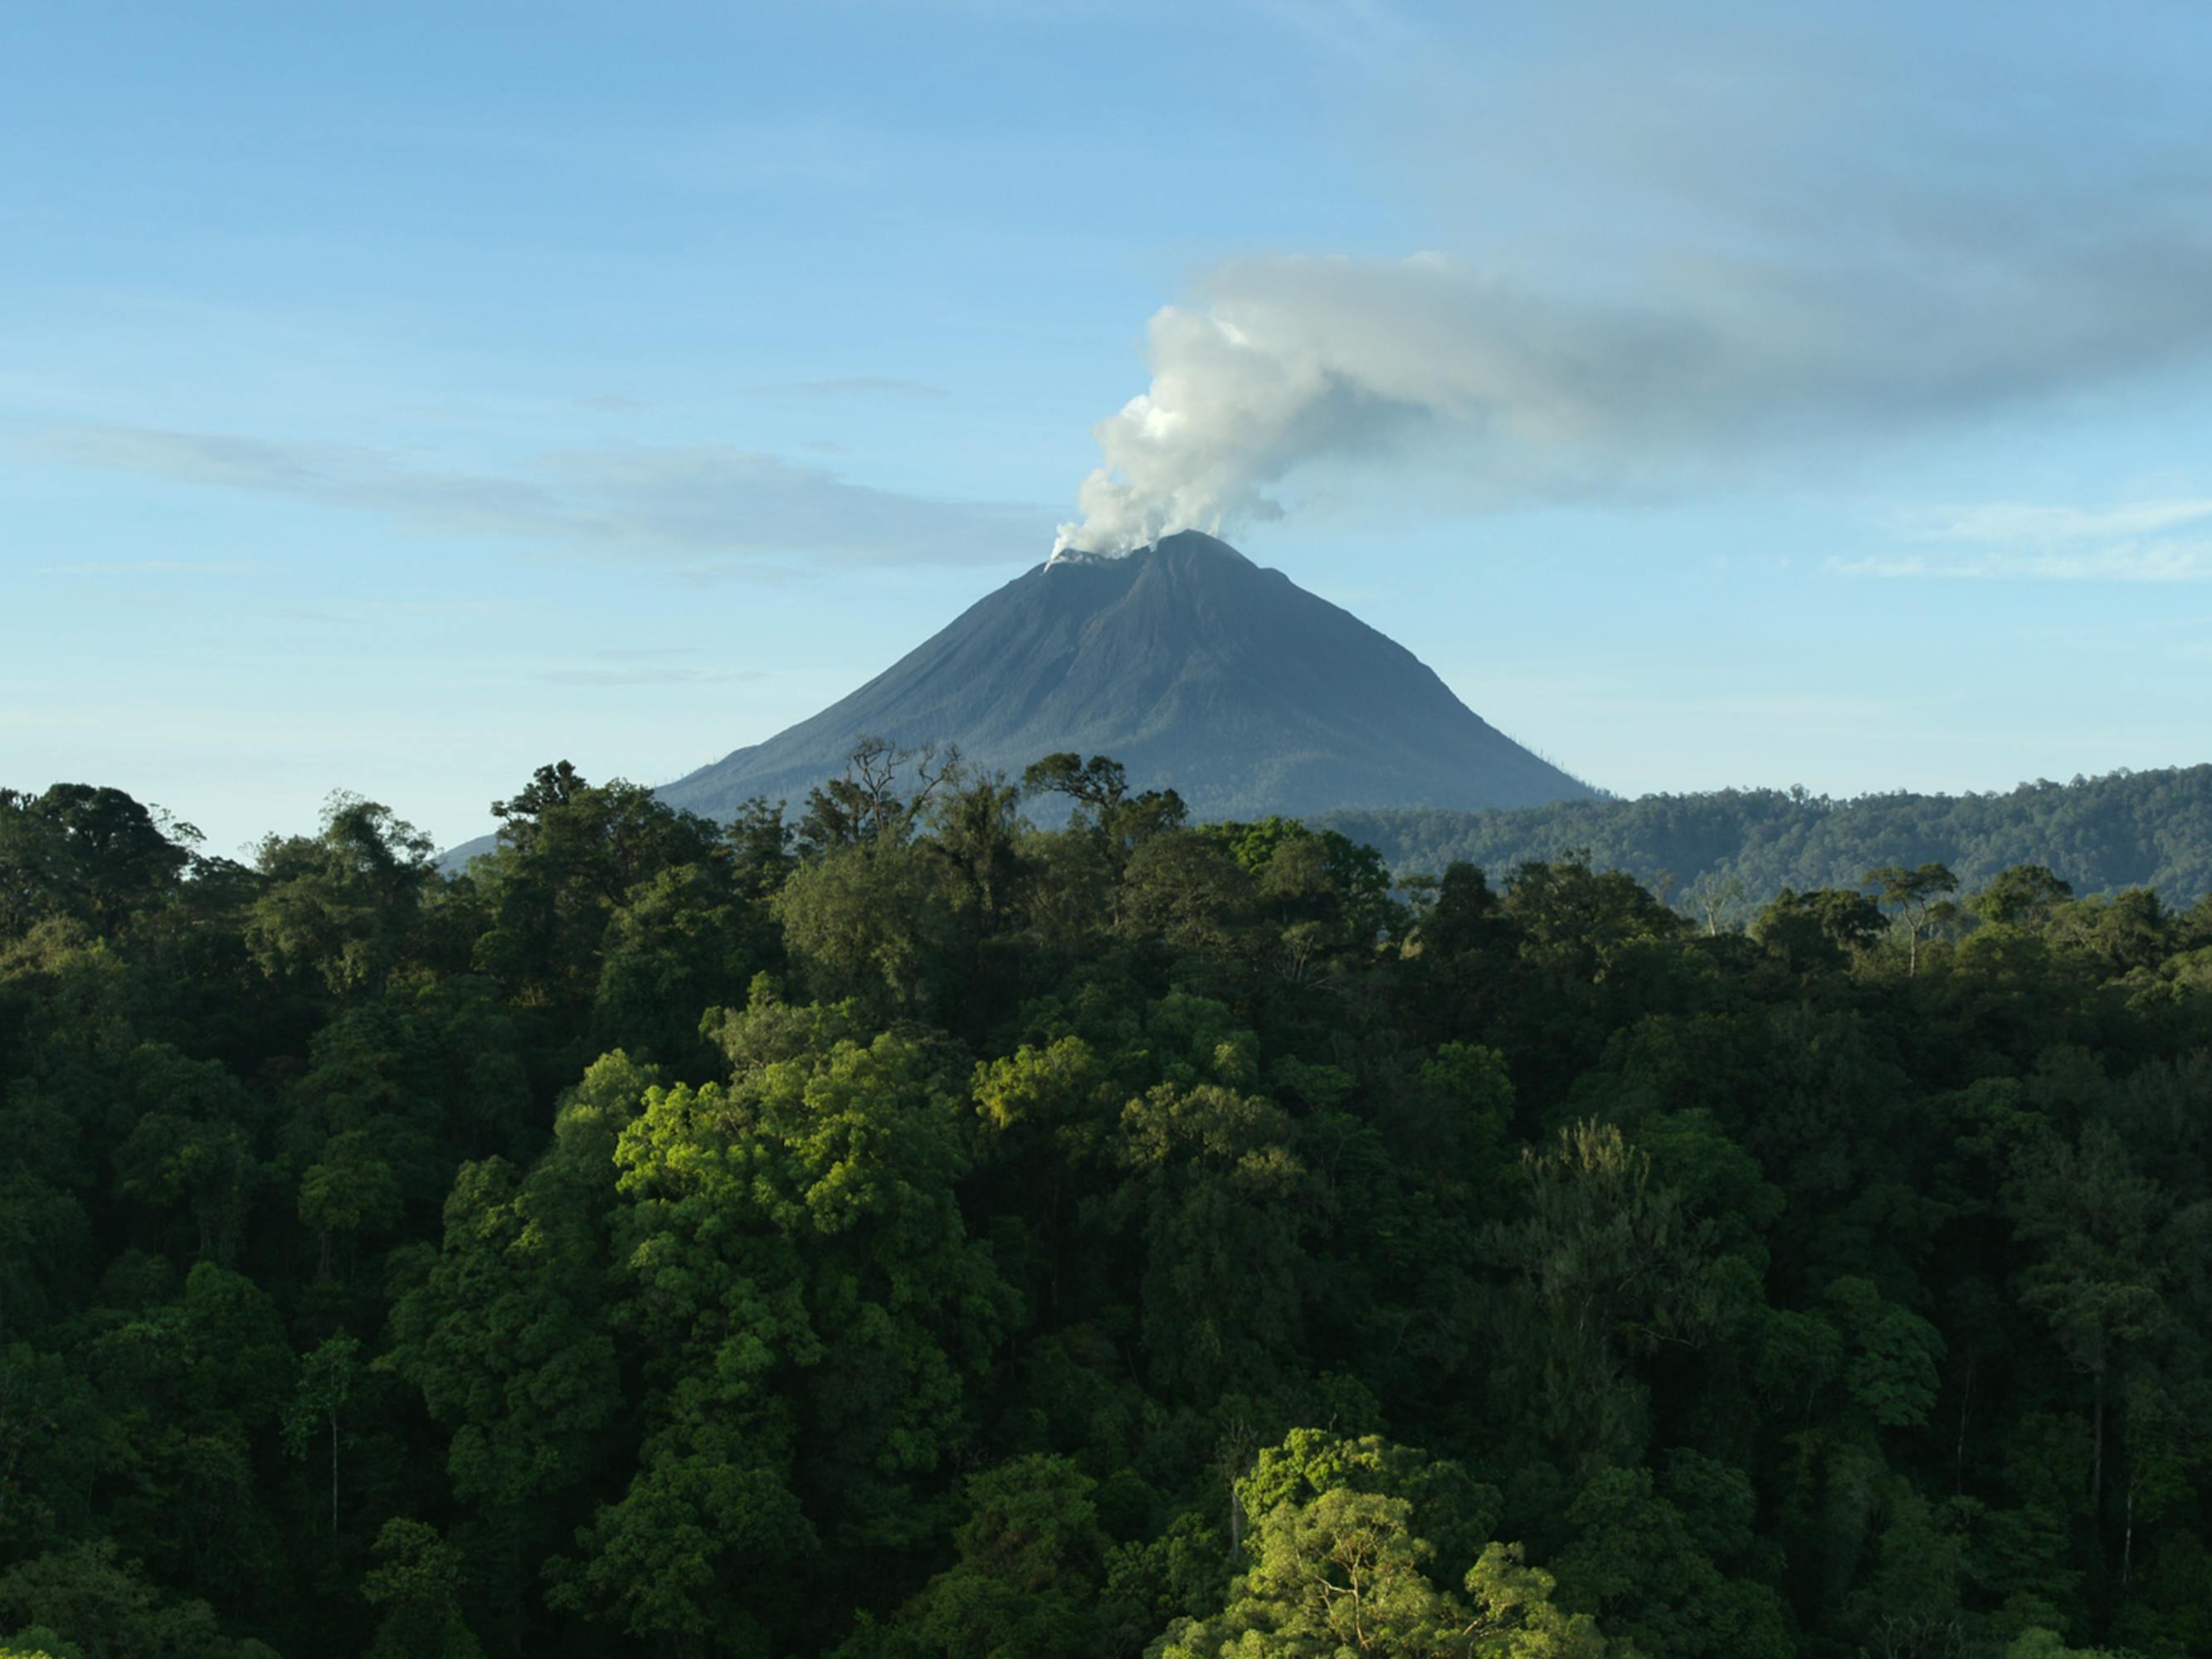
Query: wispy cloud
692 503
2150 541
2025 521
2190 562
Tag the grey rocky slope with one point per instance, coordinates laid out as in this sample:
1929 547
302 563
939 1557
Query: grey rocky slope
1195 668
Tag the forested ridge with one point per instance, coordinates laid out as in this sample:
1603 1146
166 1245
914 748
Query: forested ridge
903 1231
1736 849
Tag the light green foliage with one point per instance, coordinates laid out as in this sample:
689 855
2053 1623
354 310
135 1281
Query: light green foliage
1339 1565
1043 1089
1457 1512
1515 1617
794 1235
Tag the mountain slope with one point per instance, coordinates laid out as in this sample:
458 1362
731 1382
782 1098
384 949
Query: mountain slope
1195 668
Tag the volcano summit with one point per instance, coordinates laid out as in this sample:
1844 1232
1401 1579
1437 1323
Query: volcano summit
1195 668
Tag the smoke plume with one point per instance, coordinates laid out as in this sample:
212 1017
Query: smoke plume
1282 367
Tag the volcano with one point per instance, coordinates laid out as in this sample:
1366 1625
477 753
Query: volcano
1195 668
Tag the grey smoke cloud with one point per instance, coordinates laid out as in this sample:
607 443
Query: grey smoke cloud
1280 365
1673 257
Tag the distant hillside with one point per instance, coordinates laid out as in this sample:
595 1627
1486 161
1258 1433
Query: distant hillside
2126 829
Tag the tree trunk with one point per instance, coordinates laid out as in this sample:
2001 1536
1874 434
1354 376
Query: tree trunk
1966 1400
2097 1453
2127 1538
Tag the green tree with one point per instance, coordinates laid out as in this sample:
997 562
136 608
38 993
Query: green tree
1611 1266
1030 1556
341 907
327 1380
348 1192
92 853
1820 930
807 1305
416 1581
1213 1183
1102 804
1345 1571
1918 896
2023 894
869 921
1637 1564
2097 1276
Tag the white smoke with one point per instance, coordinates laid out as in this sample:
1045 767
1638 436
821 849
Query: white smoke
1285 365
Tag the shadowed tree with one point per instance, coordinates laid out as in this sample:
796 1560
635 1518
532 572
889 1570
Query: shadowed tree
1918 896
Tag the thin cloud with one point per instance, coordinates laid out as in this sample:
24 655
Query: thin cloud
2174 561
2023 521
700 505
2036 541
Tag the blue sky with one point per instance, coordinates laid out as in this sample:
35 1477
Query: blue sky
395 397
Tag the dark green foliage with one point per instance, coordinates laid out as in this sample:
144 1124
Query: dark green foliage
921 1232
